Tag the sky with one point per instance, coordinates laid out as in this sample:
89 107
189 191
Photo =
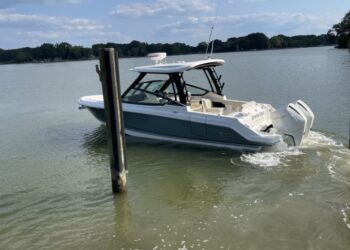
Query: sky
30 23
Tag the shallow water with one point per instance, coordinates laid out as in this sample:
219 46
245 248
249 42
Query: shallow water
55 188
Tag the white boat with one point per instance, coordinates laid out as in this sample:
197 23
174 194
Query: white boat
166 107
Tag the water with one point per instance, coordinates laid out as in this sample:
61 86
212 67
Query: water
55 190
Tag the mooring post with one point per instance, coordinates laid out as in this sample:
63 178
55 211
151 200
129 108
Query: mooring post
109 76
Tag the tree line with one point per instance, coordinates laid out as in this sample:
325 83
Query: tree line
45 53
256 41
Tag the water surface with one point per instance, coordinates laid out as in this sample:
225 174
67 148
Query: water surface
55 188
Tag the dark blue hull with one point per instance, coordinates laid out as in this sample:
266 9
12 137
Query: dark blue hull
177 128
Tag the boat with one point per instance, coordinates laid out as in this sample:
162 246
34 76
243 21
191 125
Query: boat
160 104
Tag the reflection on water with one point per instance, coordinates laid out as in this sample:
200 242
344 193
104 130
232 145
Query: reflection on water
95 143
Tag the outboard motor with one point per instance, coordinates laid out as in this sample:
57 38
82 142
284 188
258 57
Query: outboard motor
308 114
293 121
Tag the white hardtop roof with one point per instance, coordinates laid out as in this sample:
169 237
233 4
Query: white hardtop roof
166 68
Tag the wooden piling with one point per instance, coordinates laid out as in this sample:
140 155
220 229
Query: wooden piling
109 76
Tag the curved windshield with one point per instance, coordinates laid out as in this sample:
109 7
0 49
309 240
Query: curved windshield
141 96
172 89
167 88
151 86
164 90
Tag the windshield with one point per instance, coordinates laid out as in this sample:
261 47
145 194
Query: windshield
141 96
170 89
155 92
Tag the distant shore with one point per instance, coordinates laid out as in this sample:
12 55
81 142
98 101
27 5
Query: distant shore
63 52
96 58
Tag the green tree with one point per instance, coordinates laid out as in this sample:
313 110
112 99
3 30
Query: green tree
342 31
7 56
62 50
23 55
2 55
219 46
201 47
277 42
47 51
232 44
260 41
254 41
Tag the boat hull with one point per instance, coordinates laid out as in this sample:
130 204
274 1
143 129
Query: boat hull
183 131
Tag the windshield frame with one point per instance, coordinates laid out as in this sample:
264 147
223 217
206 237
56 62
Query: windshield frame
181 94
169 100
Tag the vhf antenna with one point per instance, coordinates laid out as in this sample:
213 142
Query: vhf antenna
211 33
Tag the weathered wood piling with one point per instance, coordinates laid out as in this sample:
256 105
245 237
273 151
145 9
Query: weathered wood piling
109 76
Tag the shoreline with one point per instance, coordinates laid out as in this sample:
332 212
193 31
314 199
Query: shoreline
126 57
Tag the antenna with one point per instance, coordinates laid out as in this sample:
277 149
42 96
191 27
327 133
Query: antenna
212 48
211 32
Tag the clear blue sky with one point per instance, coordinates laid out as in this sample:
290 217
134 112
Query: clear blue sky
85 22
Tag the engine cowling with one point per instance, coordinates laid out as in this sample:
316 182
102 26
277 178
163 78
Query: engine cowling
293 121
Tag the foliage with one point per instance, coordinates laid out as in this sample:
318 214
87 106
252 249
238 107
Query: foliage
255 41
47 52
342 32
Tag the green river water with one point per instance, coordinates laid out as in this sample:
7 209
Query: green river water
55 190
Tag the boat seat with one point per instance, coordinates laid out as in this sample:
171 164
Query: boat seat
208 107
196 105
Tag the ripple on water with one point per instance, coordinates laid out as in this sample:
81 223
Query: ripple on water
269 160
344 213
280 156
318 140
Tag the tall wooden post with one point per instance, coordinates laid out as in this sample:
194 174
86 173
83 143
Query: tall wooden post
109 76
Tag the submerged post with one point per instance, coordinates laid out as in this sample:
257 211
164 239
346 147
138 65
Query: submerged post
109 76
